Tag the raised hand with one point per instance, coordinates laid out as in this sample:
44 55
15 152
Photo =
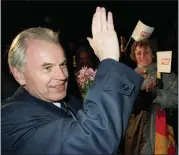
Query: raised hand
104 42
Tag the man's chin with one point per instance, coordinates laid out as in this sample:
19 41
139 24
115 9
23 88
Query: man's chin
58 97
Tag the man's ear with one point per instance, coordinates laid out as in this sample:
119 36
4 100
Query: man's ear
18 75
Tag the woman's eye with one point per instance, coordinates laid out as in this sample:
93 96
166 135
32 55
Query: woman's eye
147 52
138 53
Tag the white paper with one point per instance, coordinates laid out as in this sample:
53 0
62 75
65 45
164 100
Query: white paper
142 31
164 59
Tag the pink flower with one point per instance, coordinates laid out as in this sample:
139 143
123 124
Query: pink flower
92 74
83 70
85 78
82 80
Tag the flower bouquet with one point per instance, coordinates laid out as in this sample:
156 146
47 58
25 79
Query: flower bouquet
85 78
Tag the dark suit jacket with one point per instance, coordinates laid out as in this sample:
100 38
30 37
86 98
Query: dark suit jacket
8 86
33 126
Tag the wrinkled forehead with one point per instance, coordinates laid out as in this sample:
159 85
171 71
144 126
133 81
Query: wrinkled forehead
39 52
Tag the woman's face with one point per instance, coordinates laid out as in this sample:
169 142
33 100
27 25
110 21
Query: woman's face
143 56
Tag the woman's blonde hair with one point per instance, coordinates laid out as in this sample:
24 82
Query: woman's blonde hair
143 43
16 53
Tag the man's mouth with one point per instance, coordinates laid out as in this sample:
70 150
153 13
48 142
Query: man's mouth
57 86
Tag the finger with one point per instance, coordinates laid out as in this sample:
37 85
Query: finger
110 25
96 24
103 20
147 89
154 82
150 85
90 40
93 24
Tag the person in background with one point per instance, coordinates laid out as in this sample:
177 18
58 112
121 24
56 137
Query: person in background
69 47
124 53
150 129
84 57
38 120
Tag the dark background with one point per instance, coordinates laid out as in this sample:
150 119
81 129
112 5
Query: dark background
73 20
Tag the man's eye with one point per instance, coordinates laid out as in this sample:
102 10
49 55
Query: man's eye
48 68
63 65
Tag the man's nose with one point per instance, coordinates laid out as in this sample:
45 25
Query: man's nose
60 74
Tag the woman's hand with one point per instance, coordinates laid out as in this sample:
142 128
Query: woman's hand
151 85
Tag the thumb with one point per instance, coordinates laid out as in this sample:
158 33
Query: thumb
90 40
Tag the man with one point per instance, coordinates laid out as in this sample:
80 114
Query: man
36 120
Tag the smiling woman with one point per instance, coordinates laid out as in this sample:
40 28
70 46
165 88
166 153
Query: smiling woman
141 52
150 129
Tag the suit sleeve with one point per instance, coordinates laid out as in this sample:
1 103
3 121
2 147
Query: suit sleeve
100 123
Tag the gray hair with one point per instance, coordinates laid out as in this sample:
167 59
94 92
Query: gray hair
16 54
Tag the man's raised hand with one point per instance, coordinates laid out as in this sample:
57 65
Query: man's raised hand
104 42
